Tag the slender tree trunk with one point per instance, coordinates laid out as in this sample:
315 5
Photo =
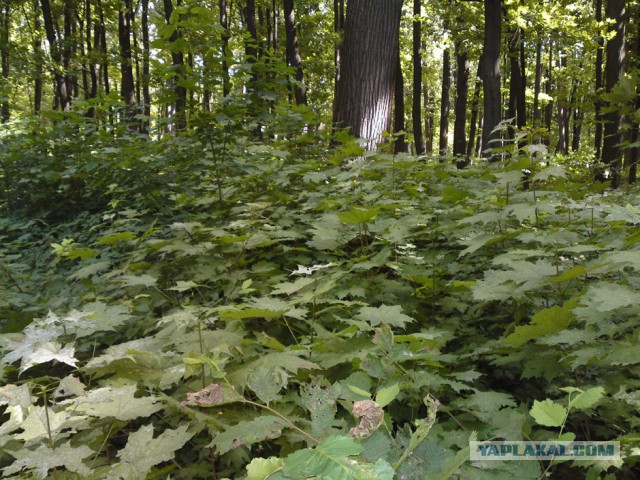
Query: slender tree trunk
517 85
101 33
63 97
293 52
475 103
548 89
564 113
491 74
338 25
537 83
38 56
67 48
127 84
177 58
577 129
429 120
146 66
614 69
91 62
224 23
598 86
364 96
251 47
521 118
400 144
460 111
5 110
416 112
445 103
634 137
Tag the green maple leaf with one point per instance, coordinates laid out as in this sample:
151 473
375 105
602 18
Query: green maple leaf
330 459
548 413
44 458
389 315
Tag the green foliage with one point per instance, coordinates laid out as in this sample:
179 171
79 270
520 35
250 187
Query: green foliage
296 310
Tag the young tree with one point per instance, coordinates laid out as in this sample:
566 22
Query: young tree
364 94
445 102
460 110
127 84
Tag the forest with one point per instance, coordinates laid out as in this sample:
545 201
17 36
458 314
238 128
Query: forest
299 239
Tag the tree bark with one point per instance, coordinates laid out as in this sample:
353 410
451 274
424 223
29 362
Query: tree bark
146 65
460 110
364 95
445 103
598 86
537 83
399 144
293 52
429 120
614 69
416 112
177 58
5 110
475 102
491 74
127 84
62 95
38 56
225 37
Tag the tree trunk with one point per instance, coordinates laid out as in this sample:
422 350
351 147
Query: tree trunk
5 111
416 112
364 95
251 46
146 66
177 58
537 83
598 86
63 97
491 74
564 113
101 39
475 103
429 121
399 144
224 23
548 89
127 84
38 57
338 25
445 103
614 69
634 137
460 111
293 52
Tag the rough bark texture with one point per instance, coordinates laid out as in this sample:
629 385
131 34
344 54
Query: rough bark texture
460 110
364 94
416 113
614 69
429 120
491 73
293 52
445 103
475 103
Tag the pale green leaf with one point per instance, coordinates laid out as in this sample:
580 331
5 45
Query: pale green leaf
388 315
266 427
548 413
143 451
387 395
263 468
546 321
117 402
266 381
330 459
587 398
44 458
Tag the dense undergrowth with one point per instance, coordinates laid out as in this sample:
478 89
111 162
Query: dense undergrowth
213 306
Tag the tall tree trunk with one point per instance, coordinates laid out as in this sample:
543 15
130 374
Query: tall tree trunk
101 34
634 137
548 89
338 25
577 129
445 103
429 120
598 85
91 61
293 52
127 84
364 96
564 113
146 66
251 46
63 97
224 23
537 83
475 102
67 47
39 60
5 111
614 69
491 73
521 118
517 86
177 58
460 111
400 144
416 112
